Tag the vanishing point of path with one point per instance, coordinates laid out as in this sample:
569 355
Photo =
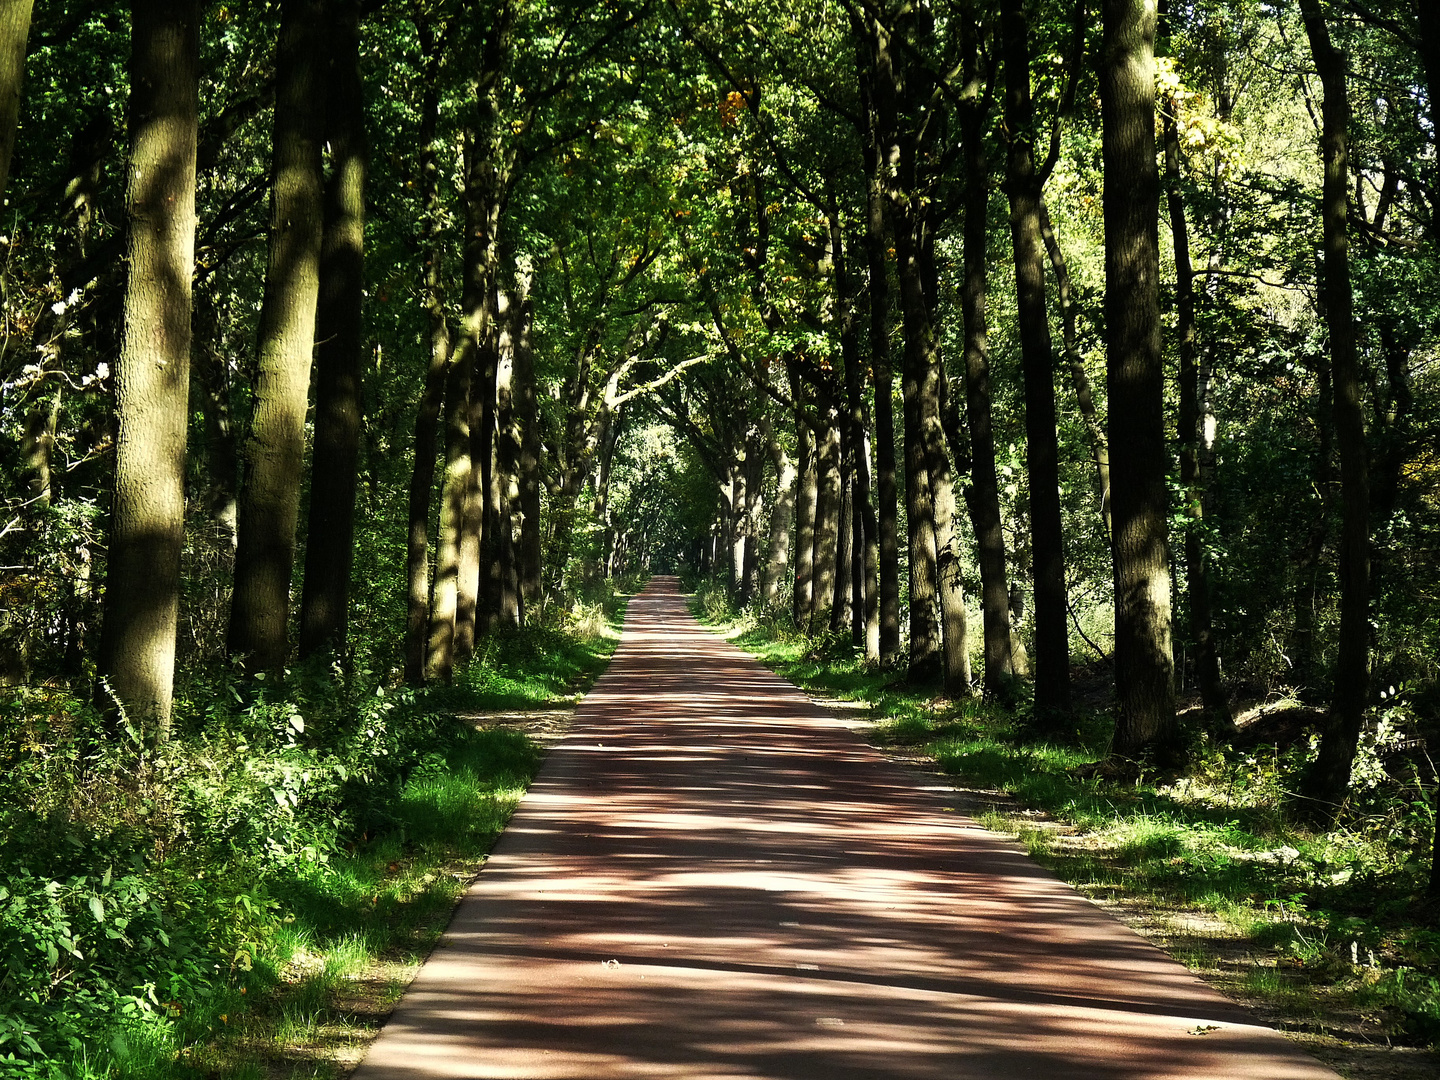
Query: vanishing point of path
712 878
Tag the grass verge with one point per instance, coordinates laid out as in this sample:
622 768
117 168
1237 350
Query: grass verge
248 900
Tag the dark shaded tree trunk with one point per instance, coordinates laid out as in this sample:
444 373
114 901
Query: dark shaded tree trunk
1135 377
330 538
427 413
510 308
809 486
275 451
14 34
984 494
136 664
1215 701
211 377
1328 778
1023 186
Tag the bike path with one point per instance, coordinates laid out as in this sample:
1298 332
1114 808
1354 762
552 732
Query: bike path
712 878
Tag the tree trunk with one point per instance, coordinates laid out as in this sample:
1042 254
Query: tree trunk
809 488
1329 775
147 522
1084 394
454 499
1197 574
528 558
840 606
984 495
275 451
427 414
781 518
14 34
887 494
827 525
1135 378
509 311
330 538
211 376
1023 185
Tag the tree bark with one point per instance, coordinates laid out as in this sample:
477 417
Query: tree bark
136 664
330 538
528 558
827 525
1329 775
1135 377
1023 186
1214 699
804 591
454 500
509 306
14 34
781 518
427 413
984 496
275 451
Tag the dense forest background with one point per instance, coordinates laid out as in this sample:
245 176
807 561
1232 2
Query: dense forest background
1064 353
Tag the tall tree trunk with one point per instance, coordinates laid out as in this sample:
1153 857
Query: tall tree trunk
1023 184
809 488
454 499
147 521
781 518
828 508
509 309
1135 378
841 615
427 413
330 538
1079 379
527 559
275 451
211 377
1197 574
1329 775
14 34
886 488
984 495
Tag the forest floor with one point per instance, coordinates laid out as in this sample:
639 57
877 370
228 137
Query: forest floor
1314 934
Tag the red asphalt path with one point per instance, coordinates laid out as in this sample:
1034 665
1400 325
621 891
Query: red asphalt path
712 878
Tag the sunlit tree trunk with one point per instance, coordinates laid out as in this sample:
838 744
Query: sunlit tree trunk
528 558
1135 377
1023 185
828 508
1329 775
147 521
14 34
454 498
781 518
427 413
1197 574
808 496
330 538
275 451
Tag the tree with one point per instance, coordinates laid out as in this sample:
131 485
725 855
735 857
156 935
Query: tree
275 450
1329 775
1135 379
14 33
147 517
330 538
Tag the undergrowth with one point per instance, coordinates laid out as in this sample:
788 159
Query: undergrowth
196 907
1316 914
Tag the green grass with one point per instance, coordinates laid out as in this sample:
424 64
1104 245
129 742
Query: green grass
1216 843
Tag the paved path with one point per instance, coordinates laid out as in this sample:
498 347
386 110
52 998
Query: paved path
711 878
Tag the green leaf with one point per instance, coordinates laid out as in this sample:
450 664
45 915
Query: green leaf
97 908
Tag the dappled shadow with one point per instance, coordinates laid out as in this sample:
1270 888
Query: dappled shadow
713 878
